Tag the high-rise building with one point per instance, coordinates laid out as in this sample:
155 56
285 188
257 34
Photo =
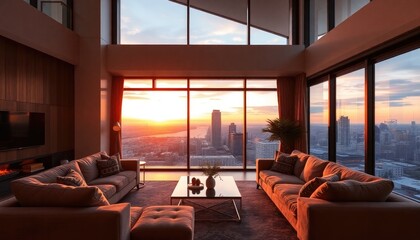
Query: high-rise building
343 131
235 143
216 129
266 149
232 129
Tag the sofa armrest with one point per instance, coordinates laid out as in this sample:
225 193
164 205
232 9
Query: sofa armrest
104 222
130 164
262 164
320 219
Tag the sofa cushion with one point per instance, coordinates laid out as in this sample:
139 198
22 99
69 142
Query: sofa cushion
72 178
107 167
309 187
32 193
300 163
287 195
272 178
314 167
119 181
284 164
347 173
354 191
88 166
107 189
130 175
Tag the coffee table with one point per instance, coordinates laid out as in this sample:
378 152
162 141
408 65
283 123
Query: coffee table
225 190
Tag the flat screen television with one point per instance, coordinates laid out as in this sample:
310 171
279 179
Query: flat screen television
21 130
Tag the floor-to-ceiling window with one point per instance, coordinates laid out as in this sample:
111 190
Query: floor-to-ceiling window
350 116
394 112
318 118
176 123
397 115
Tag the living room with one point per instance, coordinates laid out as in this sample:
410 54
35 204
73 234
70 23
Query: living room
350 79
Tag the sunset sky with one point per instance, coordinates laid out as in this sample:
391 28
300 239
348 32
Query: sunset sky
165 22
397 92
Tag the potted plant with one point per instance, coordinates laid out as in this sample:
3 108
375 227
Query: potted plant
285 130
211 170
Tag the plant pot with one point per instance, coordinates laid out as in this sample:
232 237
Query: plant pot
210 182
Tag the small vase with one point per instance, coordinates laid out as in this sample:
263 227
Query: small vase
210 182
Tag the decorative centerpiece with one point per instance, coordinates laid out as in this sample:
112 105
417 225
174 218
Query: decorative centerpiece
211 171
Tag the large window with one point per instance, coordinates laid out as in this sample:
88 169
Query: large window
350 115
397 114
318 118
376 114
217 22
176 123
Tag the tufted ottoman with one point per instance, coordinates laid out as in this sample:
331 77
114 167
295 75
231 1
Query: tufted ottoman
165 222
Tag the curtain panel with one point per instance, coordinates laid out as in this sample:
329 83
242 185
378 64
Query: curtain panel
116 107
292 105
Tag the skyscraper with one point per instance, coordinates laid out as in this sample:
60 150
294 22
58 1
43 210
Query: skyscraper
232 130
235 143
216 129
343 131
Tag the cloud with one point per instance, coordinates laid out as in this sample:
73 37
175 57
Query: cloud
316 109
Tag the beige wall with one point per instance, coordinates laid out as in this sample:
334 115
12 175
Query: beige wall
26 25
182 61
87 78
376 23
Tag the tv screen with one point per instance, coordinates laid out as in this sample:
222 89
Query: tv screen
21 129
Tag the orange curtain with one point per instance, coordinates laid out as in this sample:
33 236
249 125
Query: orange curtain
292 101
301 110
116 107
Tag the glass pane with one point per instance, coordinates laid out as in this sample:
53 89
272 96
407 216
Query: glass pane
318 120
218 22
318 19
261 83
171 83
350 117
138 83
269 22
216 132
346 8
397 113
217 83
260 106
154 127
153 22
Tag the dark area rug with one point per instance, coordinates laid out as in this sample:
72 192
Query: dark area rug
260 217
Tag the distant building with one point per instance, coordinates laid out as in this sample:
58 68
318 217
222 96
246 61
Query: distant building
216 129
232 129
343 131
235 143
266 149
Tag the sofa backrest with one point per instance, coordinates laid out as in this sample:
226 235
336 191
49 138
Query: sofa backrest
50 175
300 163
347 173
88 166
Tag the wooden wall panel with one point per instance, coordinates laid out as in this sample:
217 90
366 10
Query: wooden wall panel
35 82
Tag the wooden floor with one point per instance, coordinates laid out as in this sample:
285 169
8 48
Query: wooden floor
174 175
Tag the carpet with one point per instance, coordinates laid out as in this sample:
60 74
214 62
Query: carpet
260 217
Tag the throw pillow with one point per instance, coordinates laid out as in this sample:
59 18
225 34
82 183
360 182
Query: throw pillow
354 191
115 156
309 187
72 178
107 167
284 164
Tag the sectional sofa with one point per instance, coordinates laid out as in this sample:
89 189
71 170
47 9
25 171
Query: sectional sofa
44 208
323 200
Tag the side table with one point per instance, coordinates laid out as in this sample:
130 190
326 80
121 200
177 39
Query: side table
142 166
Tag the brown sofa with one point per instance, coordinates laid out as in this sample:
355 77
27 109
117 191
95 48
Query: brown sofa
333 211
44 209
